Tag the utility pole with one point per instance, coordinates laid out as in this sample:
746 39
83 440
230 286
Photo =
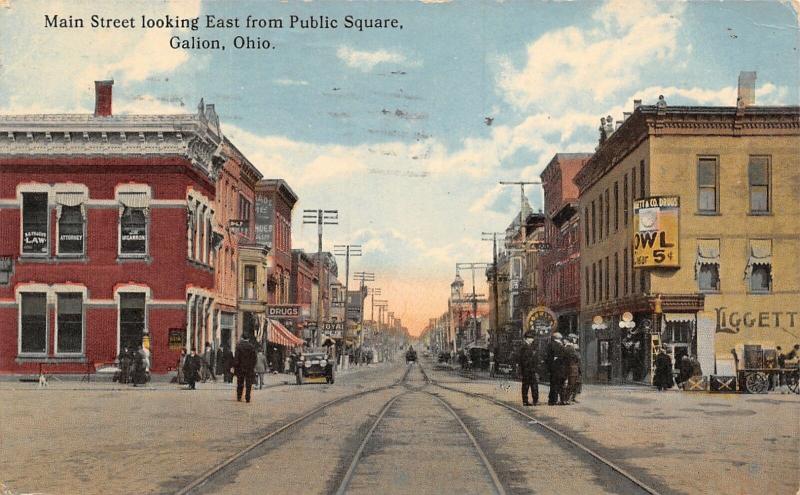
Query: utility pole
374 291
363 277
492 236
473 266
320 218
521 184
382 305
346 250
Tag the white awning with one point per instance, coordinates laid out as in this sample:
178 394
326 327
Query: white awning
71 195
134 199
679 317
760 254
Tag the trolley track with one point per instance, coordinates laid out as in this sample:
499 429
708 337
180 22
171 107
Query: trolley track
553 432
230 461
497 486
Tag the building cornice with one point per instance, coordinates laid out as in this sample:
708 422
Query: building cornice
662 120
196 137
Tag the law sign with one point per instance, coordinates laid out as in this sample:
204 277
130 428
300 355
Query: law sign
655 238
283 311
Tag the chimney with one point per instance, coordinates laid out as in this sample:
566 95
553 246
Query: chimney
102 98
747 88
636 104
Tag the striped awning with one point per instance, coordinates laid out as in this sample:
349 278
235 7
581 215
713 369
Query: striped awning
279 334
134 199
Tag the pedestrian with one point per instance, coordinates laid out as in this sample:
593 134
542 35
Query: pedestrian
579 381
139 375
663 375
572 364
697 369
191 369
244 363
557 370
181 378
125 362
208 362
227 363
261 368
528 365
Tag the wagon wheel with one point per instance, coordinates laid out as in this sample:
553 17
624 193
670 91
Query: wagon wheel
756 383
793 381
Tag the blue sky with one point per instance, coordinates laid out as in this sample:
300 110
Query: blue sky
388 125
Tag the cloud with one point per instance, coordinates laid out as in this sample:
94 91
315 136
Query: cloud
35 60
290 82
367 60
572 67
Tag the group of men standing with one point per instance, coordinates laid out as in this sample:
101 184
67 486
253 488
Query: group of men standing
563 364
242 364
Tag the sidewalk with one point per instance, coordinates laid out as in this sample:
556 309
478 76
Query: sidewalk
102 381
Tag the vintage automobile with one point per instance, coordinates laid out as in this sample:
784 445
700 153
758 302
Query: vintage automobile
314 367
411 356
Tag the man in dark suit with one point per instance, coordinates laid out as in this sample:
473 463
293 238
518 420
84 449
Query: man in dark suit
556 366
244 365
528 364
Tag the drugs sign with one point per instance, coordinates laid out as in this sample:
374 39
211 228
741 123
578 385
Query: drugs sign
655 237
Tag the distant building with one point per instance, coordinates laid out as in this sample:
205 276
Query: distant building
274 203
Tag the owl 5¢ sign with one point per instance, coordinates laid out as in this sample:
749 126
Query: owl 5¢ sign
655 238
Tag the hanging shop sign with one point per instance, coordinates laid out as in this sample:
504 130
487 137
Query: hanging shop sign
265 212
284 311
330 326
655 240
541 320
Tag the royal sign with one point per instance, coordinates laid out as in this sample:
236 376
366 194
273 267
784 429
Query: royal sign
655 238
284 311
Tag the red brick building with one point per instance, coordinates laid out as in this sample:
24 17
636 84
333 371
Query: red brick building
107 233
275 200
559 265
304 278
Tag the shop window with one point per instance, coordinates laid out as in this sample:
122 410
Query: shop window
758 176
707 265
35 232
131 319
758 271
250 285
133 231
707 177
70 230
33 323
69 323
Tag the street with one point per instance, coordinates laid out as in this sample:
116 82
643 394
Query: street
392 428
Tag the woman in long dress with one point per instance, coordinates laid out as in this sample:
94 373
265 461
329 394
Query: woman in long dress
663 376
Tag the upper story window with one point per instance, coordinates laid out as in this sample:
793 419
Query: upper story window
70 230
245 213
758 172
250 283
625 200
707 184
35 226
133 223
71 219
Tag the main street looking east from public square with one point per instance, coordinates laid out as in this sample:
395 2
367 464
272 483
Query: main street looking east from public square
397 429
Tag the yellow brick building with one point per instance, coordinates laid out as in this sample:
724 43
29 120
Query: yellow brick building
735 172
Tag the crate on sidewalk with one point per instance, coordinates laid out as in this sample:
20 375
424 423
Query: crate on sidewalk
722 383
696 384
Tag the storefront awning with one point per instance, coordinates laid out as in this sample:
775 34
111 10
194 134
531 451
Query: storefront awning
679 317
279 334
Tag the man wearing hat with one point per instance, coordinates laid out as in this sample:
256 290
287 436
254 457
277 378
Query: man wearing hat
557 369
528 363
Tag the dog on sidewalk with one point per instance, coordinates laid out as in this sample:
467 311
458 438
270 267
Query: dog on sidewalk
42 380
